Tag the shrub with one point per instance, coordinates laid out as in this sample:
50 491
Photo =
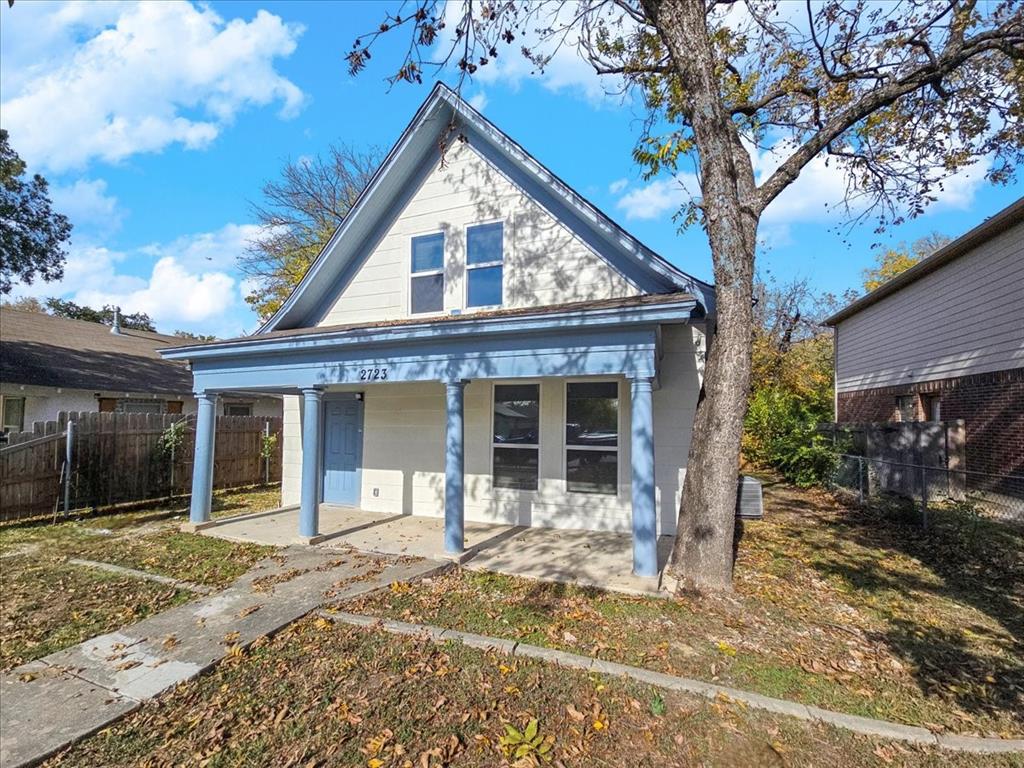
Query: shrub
781 432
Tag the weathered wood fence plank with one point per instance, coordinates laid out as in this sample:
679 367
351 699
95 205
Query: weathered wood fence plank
118 458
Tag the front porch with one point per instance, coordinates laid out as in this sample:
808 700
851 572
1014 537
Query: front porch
528 418
592 558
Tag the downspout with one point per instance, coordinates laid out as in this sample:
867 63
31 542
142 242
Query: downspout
835 373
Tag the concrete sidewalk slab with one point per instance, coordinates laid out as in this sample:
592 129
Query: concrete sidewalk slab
51 703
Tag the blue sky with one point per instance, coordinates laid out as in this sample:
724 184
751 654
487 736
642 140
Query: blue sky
157 124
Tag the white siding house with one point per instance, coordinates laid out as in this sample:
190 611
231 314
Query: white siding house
477 342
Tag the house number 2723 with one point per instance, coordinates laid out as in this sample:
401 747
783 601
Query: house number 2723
373 374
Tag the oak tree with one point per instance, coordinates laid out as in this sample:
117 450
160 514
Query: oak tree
892 261
297 216
898 95
33 237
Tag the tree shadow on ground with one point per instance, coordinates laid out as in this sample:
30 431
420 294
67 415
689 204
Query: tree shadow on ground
956 564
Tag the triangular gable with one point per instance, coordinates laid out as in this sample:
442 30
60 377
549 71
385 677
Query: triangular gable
411 159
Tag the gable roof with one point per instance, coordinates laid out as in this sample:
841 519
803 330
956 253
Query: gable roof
995 225
413 155
49 351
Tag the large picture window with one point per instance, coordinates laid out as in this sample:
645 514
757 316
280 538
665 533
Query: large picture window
484 259
516 443
592 437
427 289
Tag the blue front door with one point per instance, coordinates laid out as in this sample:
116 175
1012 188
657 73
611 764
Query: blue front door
343 450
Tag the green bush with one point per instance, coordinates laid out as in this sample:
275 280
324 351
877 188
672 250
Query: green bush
780 432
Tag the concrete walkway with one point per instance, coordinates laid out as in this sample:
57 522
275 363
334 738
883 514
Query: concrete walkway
864 725
55 701
589 558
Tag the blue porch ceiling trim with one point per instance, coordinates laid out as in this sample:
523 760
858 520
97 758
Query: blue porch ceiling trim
351 240
630 352
444 331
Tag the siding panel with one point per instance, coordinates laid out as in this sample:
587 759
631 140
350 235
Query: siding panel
966 317
545 263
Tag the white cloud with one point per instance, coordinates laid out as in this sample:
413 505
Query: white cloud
659 198
478 101
185 284
87 205
817 195
567 71
125 79
219 249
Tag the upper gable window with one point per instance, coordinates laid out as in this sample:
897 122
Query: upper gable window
427 289
484 259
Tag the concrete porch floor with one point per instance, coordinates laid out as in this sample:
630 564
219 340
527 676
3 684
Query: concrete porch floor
589 558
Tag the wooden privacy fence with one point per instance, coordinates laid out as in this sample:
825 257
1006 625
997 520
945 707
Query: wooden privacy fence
120 457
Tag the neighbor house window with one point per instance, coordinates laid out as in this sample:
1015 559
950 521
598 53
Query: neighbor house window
427 289
516 444
592 437
238 409
141 406
14 414
484 265
906 408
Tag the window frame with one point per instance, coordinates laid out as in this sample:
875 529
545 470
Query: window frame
126 403
913 400
484 265
426 272
4 427
249 406
617 448
495 383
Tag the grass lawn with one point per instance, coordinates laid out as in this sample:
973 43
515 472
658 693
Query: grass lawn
326 695
832 607
48 603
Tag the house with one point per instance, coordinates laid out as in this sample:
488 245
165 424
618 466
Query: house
477 342
945 340
52 364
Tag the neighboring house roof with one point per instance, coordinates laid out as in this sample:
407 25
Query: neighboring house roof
991 227
575 309
416 150
49 351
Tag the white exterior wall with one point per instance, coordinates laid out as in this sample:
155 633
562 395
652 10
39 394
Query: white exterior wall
964 318
403 450
544 263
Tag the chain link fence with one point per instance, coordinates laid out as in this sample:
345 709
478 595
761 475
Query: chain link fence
916 492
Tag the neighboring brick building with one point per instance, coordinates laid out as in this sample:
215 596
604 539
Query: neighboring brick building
945 340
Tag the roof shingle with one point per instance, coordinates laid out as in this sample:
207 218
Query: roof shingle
52 351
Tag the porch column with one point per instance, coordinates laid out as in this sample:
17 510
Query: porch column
645 521
454 481
309 501
202 465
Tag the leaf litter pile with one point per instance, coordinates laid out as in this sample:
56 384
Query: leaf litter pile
832 607
320 694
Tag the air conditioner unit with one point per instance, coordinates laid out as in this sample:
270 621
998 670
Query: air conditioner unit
749 502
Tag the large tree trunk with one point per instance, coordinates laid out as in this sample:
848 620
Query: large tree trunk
702 557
